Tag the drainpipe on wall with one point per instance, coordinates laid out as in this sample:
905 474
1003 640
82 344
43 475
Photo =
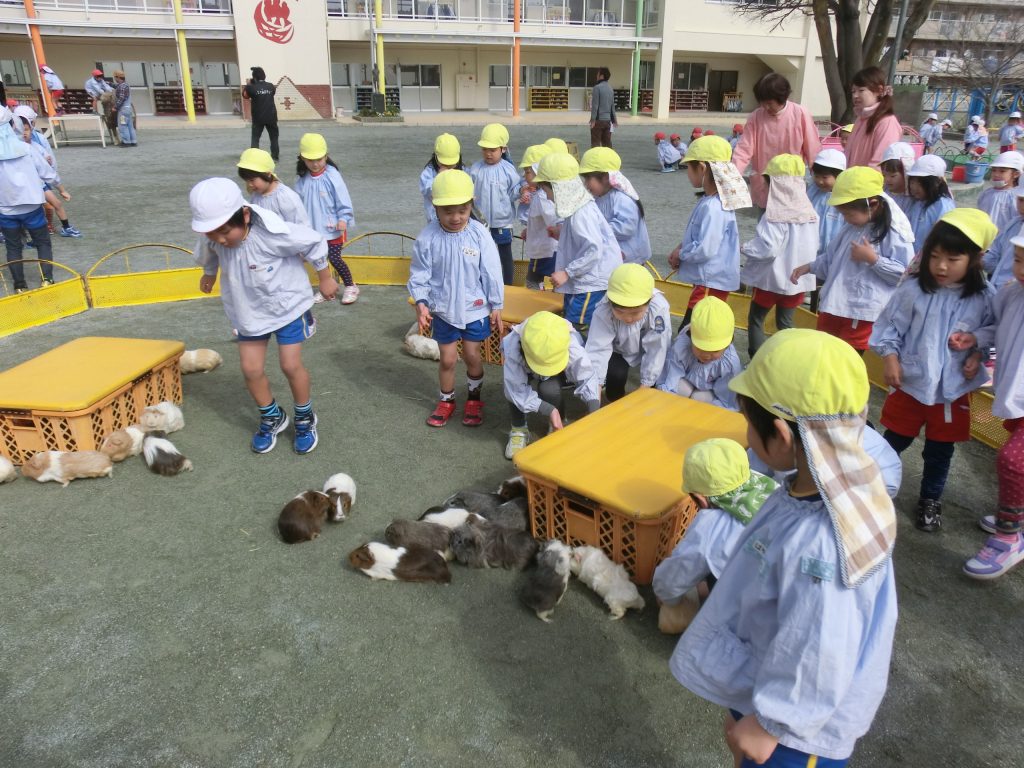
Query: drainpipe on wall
634 91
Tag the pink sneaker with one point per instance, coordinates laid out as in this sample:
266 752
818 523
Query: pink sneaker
997 557
350 294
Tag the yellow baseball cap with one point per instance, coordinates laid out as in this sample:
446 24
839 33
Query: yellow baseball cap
857 183
712 324
799 373
546 343
709 149
630 285
447 149
312 146
451 187
975 224
534 154
785 165
557 166
715 467
557 145
258 160
600 159
493 136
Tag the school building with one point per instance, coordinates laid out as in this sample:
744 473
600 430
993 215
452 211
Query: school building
438 55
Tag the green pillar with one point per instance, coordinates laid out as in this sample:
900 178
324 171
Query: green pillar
634 91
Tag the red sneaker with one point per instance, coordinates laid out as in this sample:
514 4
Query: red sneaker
441 414
473 416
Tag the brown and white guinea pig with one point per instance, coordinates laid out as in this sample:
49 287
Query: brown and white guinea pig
199 360
7 471
302 517
162 417
419 533
512 488
379 561
122 443
63 467
162 457
342 490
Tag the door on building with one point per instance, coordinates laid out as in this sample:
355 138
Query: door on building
421 87
721 82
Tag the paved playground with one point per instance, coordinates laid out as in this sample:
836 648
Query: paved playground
153 621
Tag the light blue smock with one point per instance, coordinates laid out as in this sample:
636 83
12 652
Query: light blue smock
782 638
709 253
1000 205
327 202
704 550
830 220
427 176
923 217
916 327
496 191
930 134
905 202
587 251
540 214
1010 134
667 154
998 259
713 377
623 214
516 374
285 202
457 274
644 343
22 179
1005 333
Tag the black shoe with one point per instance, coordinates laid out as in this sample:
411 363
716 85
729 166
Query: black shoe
929 515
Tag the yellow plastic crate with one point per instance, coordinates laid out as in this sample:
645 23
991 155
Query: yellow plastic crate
70 398
613 479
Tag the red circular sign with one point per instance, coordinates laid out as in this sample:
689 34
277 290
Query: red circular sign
273 21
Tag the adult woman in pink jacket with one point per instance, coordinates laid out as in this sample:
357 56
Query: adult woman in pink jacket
877 127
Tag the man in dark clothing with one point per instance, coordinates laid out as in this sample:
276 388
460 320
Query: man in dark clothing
264 110
602 110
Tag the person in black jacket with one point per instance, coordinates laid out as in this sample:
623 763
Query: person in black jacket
264 109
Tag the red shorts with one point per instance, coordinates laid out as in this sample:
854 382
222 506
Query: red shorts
56 94
1008 148
767 299
905 416
700 291
854 332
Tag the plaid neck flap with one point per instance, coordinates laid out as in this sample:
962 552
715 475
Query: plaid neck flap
731 187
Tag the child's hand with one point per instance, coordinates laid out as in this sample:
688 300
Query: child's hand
556 420
555 231
700 500
799 272
206 283
862 252
496 322
748 739
423 316
328 287
893 371
961 340
727 727
673 258
66 195
525 195
559 278
972 365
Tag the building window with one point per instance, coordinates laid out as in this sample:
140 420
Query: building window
555 77
500 76
340 77
134 72
646 75
582 77
935 15
221 74
687 76
14 72
415 75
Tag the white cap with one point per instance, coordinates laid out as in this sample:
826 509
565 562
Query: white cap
929 165
5 114
1018 241
1015 114
933 116
947 121
25 111
213 202
831 158
900 150
1014 160
977 120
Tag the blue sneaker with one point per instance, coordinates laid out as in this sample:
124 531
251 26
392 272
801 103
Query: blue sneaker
30 244
69 232
266 436
305 435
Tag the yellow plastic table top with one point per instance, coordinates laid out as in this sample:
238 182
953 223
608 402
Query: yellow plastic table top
75 375
628 456
521 302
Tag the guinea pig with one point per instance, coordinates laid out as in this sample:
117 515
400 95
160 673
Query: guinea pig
480 544
342 490
122 443
419 533
449 518
548 581
512 514
301 518
199 360
163 417
477 502
674 619
419 346
63 467
610 580
512 488
379 561
7 471
162 457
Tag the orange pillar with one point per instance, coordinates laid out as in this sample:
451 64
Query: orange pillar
37 48
516 9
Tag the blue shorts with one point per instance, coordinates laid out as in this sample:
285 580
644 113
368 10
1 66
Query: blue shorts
296 332
541 268
578 308
445 333
31 220
787 757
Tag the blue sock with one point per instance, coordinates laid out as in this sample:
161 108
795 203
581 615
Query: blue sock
304 411
272 411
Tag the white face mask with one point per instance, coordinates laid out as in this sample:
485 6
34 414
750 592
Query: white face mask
1000 183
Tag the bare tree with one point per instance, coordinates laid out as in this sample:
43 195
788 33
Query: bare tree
845 47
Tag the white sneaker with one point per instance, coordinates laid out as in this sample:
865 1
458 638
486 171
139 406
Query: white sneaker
318 298
518 439
350 294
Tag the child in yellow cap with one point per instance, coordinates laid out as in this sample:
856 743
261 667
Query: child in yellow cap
497 186
447 154
924 337
256 169
703 360
543 354
717 475
623 210
795 640
631 328
455 281
328 204
537 213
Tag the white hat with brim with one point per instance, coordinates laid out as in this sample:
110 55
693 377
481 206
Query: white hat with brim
1018 241
1012 159
977 120
929 165
1014 114
933 116
213 202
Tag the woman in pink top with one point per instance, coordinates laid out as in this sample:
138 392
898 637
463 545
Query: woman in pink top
877 127
777 127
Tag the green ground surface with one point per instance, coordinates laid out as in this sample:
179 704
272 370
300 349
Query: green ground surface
160 622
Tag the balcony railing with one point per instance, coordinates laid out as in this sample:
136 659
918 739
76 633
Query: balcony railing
218 7
600 13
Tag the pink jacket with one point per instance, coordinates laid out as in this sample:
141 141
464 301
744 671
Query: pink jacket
791 132
864 148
